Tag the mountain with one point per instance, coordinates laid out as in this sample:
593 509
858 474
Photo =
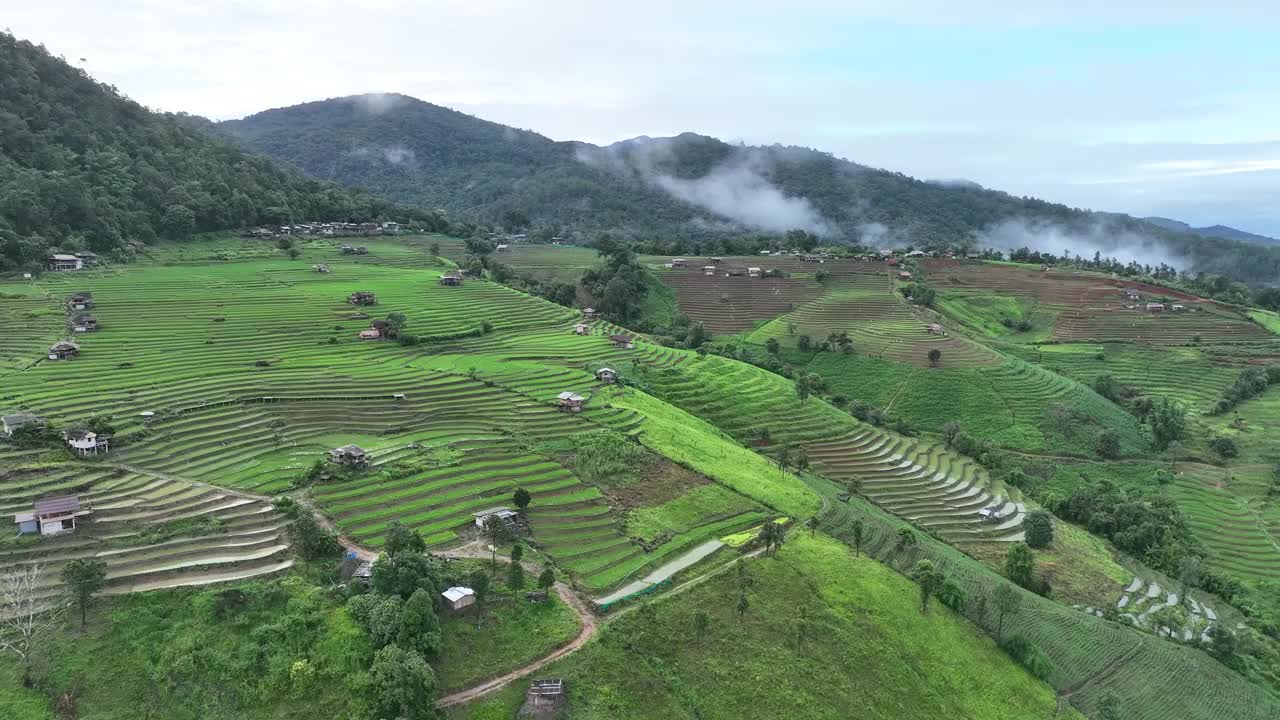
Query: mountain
82 167
1213 231
693 185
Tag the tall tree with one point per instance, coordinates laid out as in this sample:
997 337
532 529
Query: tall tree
399 538
515 578
935 357
1019 565
521 499
930 580
858 529
419 626
25 615
404 686
1006 600
84 578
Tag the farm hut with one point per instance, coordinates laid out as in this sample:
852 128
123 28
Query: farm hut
708 269
935 329
10 423
679 262
1155 307
383 328
351 455
607 375
891 262
52 516
347 250
622 342
715 260
544 696
904 275
754 272
536 596
1176 307
589 312
85 323
80 301
991 513
62 263
362 250
581 329
765 252
973 256
86 442
505 515
451 279
320 268
916 253
503 247
362 297
737 271
570 401
458 598
370 334
1132 293
64 350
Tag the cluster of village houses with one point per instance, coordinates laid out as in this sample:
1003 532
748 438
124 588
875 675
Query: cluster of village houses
325 229
1134 295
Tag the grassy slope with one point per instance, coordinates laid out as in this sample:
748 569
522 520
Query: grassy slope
690 441
867 652
511 634
1155 679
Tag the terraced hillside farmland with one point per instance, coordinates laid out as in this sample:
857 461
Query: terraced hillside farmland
244 375
1090 307
153 531
878 321
1155 679
923 482
560 263
1231 513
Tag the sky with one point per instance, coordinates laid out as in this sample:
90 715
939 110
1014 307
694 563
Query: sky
1150 107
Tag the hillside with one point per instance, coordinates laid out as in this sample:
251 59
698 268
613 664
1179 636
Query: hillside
685 187
1213 231
84 168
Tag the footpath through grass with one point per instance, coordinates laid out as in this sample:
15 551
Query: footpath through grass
826 635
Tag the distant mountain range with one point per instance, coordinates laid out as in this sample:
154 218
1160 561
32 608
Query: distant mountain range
691 185
1213 231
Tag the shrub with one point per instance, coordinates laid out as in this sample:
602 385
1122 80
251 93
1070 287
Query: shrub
1038 527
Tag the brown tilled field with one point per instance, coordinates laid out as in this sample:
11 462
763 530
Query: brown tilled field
733 303
1096 308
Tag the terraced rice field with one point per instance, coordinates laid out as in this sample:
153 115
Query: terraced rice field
253 371
925 483
880 323
1184 374
1229 513
1158 679
213 535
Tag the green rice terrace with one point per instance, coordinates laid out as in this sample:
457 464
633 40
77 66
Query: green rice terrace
381 392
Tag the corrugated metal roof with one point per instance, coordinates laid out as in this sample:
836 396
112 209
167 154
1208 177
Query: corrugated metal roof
58 505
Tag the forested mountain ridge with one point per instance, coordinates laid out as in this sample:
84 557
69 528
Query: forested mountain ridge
82 167
415 152
689 187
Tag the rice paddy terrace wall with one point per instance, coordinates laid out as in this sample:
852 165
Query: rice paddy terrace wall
152 531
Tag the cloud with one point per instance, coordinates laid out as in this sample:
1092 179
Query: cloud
1099 237
398 154
736 189
379 103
